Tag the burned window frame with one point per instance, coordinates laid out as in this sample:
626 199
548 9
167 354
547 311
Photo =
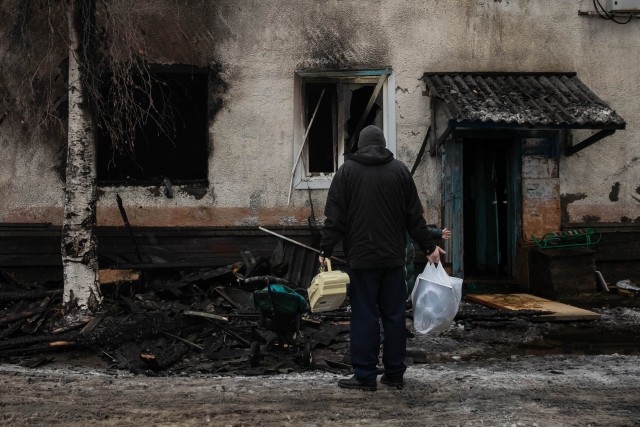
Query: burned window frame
306 180
161 74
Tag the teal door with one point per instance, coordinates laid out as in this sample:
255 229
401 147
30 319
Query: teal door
492 205
452 203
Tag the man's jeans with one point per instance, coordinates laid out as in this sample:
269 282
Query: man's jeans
378 294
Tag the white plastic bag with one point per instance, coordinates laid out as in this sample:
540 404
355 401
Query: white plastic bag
436 298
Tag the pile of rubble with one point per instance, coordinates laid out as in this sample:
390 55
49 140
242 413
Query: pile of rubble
155 321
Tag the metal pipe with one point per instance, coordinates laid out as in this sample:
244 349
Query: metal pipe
602 282
298 243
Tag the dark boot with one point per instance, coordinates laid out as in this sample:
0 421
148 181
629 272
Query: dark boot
356 384
397 382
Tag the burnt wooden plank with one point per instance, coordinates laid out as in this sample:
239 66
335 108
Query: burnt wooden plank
180 247
560 312
29 260
35 244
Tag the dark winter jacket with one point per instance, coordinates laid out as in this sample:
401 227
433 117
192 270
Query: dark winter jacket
371 205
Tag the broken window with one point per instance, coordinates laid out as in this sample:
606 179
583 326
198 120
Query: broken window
171 142
332 108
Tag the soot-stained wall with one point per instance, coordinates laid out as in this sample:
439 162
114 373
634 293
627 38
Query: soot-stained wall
254 49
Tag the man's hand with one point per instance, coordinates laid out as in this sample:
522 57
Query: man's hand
434 258
446 234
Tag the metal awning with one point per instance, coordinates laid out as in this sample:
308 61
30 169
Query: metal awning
521 101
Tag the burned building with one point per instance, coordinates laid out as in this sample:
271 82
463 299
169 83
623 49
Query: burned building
528 109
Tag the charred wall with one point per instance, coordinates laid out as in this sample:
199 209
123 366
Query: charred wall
253 50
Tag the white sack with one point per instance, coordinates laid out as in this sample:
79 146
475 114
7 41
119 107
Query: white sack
436 299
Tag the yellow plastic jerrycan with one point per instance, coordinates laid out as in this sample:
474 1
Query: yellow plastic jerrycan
328 289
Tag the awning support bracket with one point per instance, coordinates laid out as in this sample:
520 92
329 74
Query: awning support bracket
421 152
572 149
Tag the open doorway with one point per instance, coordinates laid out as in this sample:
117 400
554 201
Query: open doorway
491 206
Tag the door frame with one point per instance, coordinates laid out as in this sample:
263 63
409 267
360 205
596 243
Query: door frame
453 193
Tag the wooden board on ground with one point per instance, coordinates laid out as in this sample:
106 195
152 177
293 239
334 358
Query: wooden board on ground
109 277
560 312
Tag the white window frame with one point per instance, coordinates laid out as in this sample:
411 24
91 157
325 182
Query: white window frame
303 181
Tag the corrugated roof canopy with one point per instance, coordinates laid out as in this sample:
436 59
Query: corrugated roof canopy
534 100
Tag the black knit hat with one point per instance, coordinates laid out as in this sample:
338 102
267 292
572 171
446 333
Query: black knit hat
371 135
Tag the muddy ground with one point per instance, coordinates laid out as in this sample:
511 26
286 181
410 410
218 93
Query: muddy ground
483 372
529 391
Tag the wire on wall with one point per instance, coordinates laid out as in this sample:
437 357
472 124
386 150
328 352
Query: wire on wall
602 13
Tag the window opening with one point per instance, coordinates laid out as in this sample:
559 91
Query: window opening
321 148
174 147
360 95
322 154
338 114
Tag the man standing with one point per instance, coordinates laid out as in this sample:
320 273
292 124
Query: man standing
371 205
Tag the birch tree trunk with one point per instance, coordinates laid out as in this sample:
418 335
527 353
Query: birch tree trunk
79 246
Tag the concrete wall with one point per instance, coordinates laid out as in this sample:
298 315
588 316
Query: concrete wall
540 189
258 45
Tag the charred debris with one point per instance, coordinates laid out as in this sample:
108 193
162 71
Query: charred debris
214 320
181 321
